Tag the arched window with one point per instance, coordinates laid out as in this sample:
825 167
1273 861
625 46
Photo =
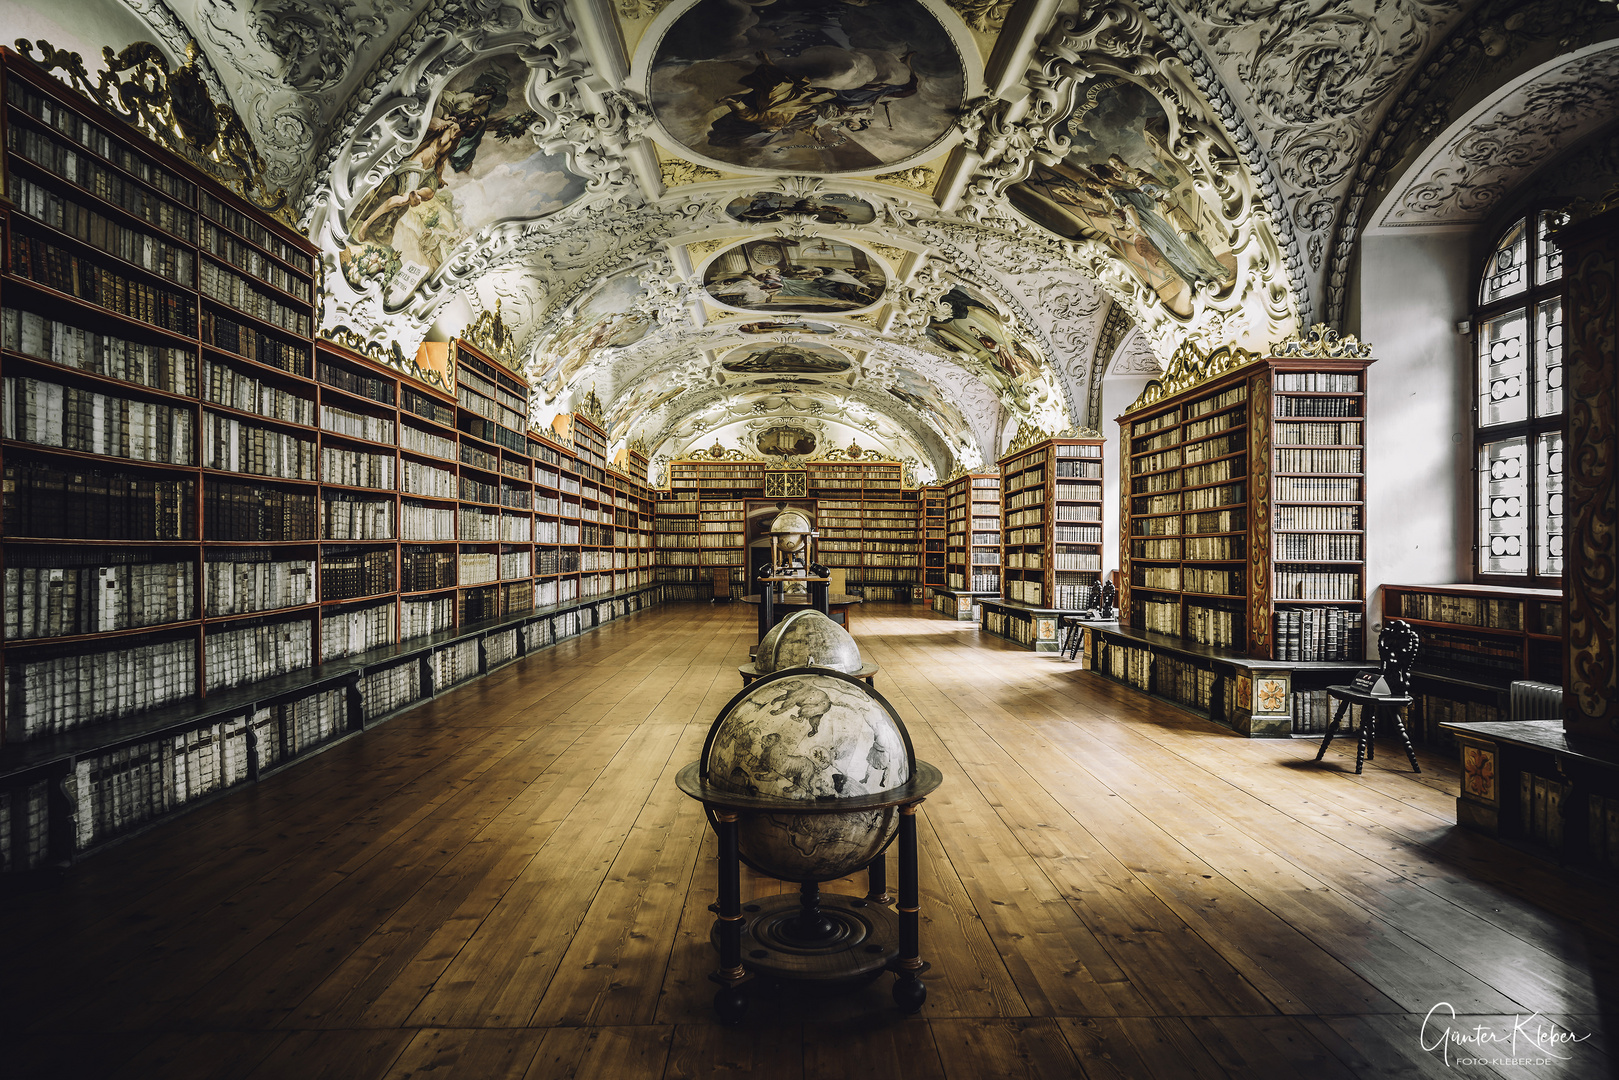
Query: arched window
1518 415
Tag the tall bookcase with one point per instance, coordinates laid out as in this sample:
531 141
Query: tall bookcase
1242 538
933 541
1051 538
1051 495
226 544
972 544
889 562
1243 517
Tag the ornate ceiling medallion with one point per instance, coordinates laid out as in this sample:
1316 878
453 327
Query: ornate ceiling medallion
782 442
790 359
806 86
822 276
770 207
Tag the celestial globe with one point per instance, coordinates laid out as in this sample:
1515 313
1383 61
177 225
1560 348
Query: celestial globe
804 735
807 639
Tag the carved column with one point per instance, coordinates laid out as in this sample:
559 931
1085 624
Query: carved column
1591 444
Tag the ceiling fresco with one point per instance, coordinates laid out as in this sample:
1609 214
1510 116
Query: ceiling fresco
927 224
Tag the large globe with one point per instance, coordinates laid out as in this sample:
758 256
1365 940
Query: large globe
791 528
807 639
808 736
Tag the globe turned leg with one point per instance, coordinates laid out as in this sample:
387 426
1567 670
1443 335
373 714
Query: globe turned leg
909 992
729 1002
877 880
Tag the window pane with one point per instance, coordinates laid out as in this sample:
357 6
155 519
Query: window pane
1504 274
1503 515
1549 261
1502 369
1549 504
1549 358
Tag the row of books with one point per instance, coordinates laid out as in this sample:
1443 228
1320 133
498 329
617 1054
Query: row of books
428 408
44 501
346 516
151 253
245 584
88 280
1156 462
1155 526
422 569
1159 616
1500 613
1318 547
519 498
66 600
216 209
477 568
161 367
1327 433
355 382
452 664
356 630
1317 461
1213 497
1322 407
1317 489
1214 472
236 446
254 344
1316 585
390 689
1155 549
243 654
416 478
356 468
69 418
356 425
426 442
255 513
50 695
869 573
1182 681
92 138
519 564
1075 560
345 575
85 172
1225 399
238 292
224 385
1072 592
425 615
1315 517
1223 422
423 522
251 261
1209 449
1318 634
1316 382
1214 582
499 648
1213 625
1312 711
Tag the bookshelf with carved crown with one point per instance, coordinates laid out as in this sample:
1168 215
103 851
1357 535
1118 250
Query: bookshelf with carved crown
1242 537
227 543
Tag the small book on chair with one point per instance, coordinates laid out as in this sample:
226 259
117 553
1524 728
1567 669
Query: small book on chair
1372 682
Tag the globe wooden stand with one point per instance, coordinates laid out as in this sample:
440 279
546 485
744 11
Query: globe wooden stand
815 936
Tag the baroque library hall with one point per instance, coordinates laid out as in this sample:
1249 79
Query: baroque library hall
964 539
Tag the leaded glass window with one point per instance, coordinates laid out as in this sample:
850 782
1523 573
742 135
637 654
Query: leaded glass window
1518 350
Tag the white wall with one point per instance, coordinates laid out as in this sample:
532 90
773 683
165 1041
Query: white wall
1413 289
1117 394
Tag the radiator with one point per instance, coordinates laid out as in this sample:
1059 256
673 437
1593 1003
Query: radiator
1536 700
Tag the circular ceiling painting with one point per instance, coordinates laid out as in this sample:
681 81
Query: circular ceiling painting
817 86
820 276
791 359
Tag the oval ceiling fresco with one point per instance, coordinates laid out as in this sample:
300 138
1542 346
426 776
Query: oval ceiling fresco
1120 184
606 319
977 328
791 359
764 207
818 86
809 276
474 165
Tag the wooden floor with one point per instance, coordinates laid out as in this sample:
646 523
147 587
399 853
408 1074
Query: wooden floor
507 883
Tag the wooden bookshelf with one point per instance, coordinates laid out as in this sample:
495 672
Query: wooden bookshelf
1243 510
972 544
869 497
933 541
1051 538
265 542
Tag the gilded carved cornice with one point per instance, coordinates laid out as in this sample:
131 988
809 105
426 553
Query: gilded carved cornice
1323 343
1189 367
489 334
172 108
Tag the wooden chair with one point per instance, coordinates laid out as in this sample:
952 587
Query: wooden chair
1397 646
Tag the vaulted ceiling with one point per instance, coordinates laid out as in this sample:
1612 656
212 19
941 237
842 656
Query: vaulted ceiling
917 225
